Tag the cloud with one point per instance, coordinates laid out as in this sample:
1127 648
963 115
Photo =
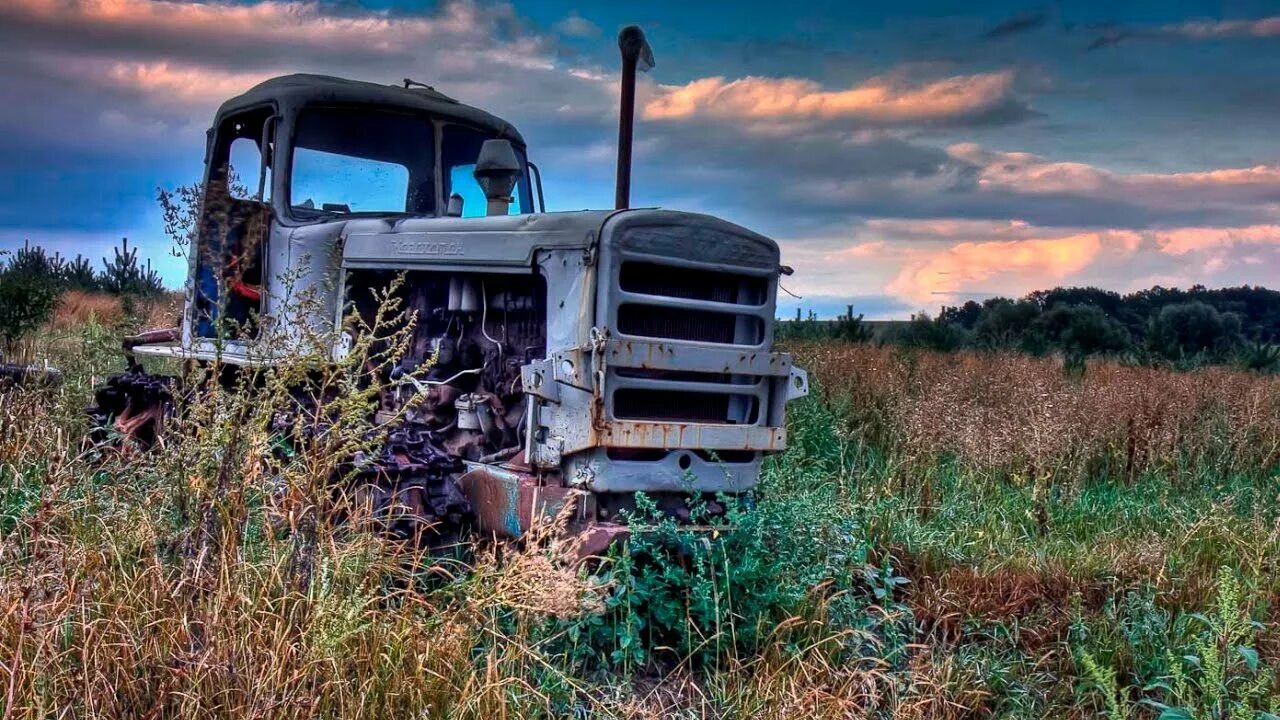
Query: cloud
1182 241
931 262
1002 266
209 30
1211 29
961 99
1028 174
1266 27
482 51
578 27
1018 24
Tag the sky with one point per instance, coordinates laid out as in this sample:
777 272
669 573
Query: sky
905 155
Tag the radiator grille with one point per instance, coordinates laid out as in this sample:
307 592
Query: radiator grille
678 282
695 325
681 406
639 318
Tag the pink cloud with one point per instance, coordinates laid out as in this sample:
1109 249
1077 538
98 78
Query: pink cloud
861 250
177 83
879 100
930 275
1026 173
1186 240
286 21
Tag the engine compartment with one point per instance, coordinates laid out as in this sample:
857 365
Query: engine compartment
472 332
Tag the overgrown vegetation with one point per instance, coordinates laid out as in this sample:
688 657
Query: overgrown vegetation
948 536
32 281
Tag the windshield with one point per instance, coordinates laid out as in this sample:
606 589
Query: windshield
361 161
460 147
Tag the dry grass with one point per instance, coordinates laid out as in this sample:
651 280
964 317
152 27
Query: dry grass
112 608
1019 415
77 308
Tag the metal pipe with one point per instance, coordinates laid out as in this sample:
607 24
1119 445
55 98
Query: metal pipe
636 55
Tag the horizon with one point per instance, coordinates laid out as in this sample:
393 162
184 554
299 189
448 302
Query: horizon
904 161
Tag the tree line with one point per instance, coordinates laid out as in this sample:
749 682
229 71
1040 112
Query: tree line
32 280
1184 328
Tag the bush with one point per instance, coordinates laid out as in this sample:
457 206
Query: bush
26 303
926 333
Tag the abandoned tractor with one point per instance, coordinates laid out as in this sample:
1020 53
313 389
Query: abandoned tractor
570 357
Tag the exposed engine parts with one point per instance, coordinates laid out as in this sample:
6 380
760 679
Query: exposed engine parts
411 488
474 332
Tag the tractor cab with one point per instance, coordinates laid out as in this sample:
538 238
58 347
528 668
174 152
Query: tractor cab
308 150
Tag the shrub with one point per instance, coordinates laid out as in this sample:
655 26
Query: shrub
929 334
27 299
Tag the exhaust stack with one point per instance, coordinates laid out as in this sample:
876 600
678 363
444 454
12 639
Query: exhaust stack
636 55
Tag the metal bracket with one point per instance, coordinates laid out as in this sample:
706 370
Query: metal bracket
797 384
542 378
538 379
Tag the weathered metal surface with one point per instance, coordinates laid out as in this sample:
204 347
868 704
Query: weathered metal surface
669 435
695 358
594 540
29 375
509 502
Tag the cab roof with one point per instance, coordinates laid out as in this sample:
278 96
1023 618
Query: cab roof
304 89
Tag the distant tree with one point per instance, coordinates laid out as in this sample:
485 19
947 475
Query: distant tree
849 328
927 333
1081 329
1004 324
1105 300
79 274
28 293
1198 324
1194 329
965 316
124 276
31 261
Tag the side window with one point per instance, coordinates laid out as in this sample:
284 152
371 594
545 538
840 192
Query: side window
460 147
463 182
245 164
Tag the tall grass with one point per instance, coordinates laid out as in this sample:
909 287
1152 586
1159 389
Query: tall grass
1008 414
948 537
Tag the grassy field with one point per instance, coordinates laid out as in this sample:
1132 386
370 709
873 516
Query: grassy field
949 536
